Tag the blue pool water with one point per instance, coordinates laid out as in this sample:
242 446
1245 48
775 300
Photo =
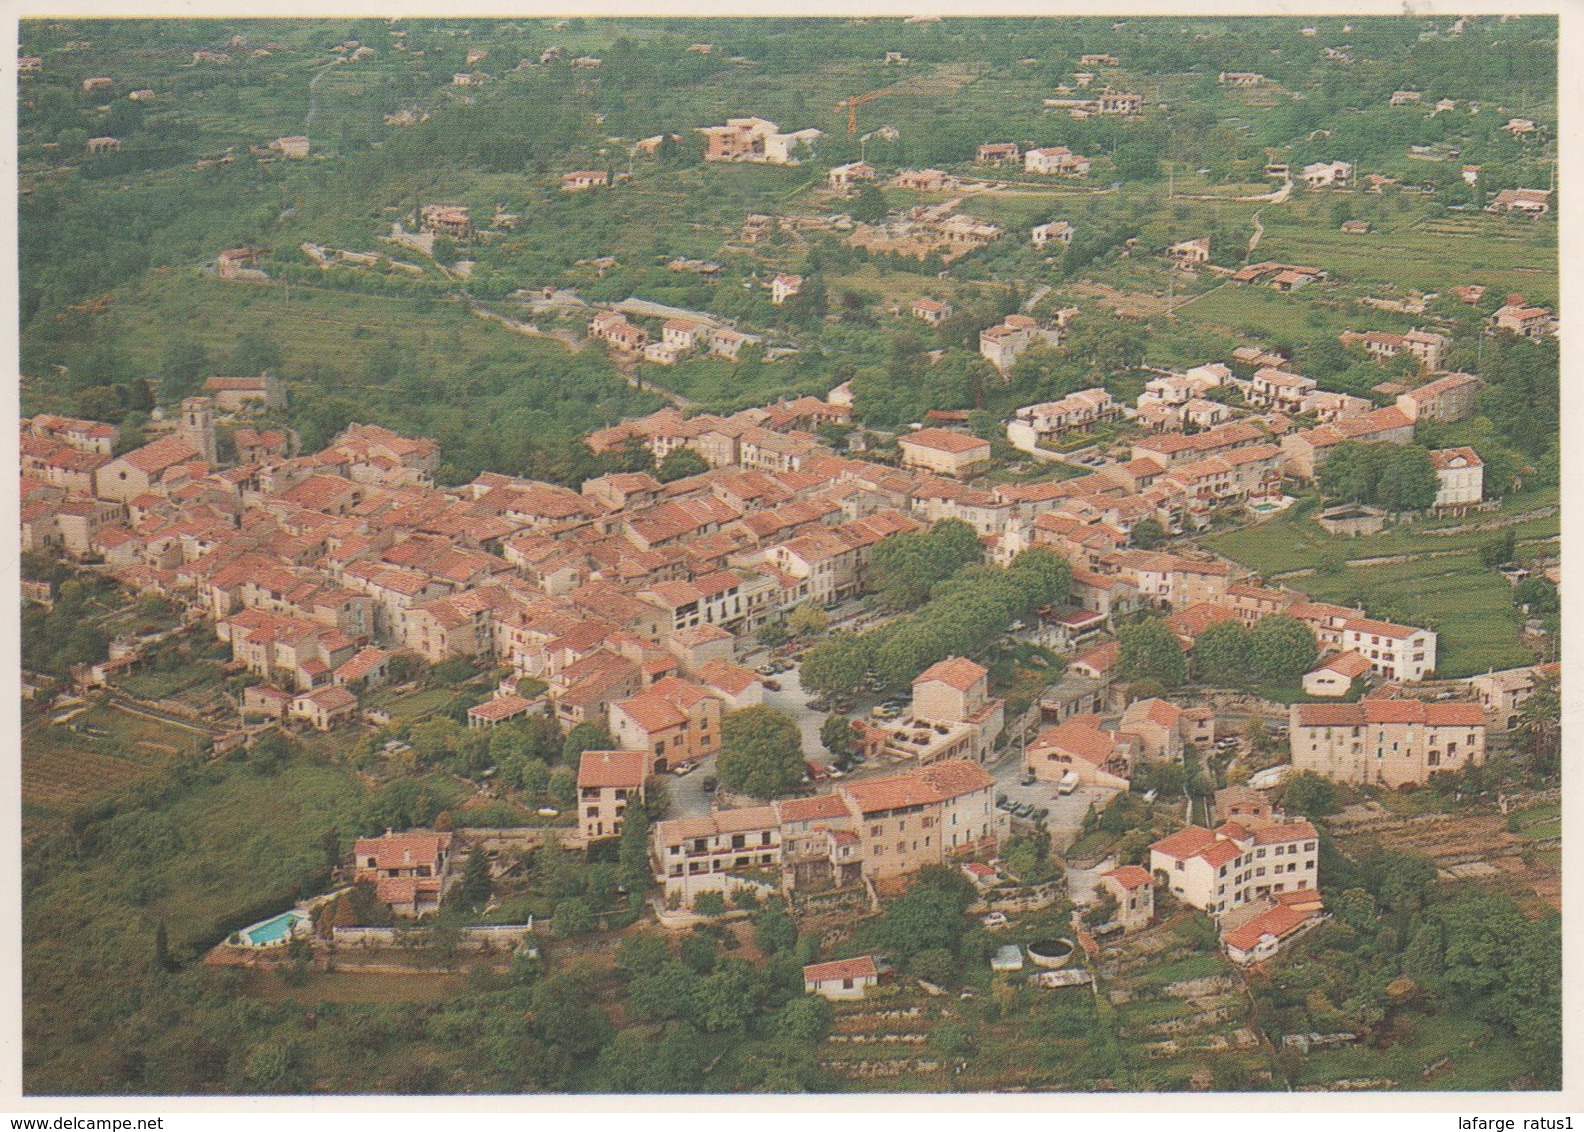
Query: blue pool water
272 931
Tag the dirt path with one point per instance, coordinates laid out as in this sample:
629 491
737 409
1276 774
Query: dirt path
1398 559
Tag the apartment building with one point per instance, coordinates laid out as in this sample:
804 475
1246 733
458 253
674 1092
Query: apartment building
1386 742
608 782
1218 870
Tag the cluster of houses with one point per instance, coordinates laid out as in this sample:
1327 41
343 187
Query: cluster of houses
869 828
757 140
1057 160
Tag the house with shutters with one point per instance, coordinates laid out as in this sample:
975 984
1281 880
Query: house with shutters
608 783
1386 742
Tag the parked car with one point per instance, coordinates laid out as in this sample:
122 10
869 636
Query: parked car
711 784
685 768
994 920
857 759
1068 783
765 670
772 685
1026 778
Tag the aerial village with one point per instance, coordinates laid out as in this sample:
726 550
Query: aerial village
782 658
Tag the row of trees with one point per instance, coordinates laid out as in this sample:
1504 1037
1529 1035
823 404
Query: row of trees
964 614
1277 649
1398 477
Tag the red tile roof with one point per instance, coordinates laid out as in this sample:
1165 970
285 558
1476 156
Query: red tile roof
863 967
1454 714
1280 922
932 784
1129 877
501 707
942 440
1187 842
955 671
402 850
613 769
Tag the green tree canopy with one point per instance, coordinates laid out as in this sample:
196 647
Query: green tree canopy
761 752
1150 651
1224 654
681 463
1284 648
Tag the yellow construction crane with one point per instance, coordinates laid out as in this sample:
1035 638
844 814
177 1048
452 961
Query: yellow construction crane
851 106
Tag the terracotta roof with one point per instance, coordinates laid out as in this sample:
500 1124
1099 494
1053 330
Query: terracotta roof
820 807
956 671
615 769
729 678
1129 877
501 707
1187 842
161 454
1448 457
402 850
1280 922
1101 658
1078 736
1280 833
1365 712
1348 663
937 783
863 967
943 440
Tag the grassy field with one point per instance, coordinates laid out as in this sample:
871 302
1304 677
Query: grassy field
1481 1058
1270 316
1469 605
1287 542
63 770
346 986
1504 255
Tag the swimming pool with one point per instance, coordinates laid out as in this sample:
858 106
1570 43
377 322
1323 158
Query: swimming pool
271 931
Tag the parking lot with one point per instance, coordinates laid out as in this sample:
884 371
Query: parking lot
1066 812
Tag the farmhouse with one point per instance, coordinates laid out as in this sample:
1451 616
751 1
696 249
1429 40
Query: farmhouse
410 871
944 452
1460 478
842 978
1058 230
1056 159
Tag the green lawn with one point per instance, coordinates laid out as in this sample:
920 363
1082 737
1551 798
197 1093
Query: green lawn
420 704
1469 606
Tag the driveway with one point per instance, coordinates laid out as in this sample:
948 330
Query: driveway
686 793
